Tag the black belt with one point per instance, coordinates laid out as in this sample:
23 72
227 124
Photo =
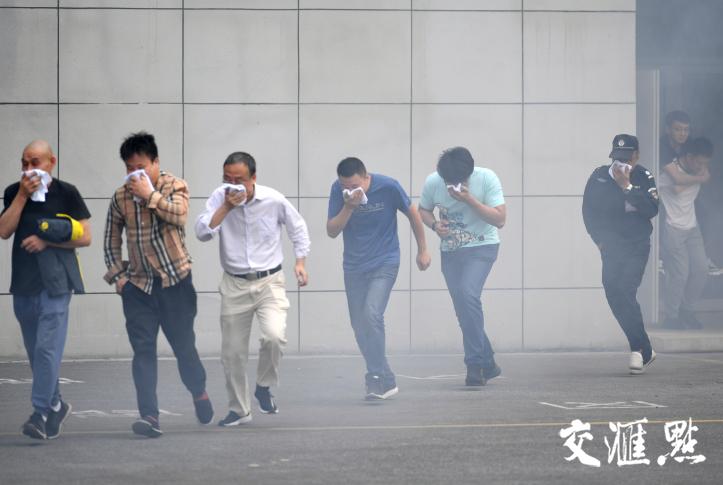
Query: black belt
258 274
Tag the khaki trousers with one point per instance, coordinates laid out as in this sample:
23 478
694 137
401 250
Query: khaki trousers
240 301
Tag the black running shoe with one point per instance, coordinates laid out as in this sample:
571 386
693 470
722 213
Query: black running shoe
234 419
54 424
147 426
474 376
34 427
389 389
374 387
266 400
204 409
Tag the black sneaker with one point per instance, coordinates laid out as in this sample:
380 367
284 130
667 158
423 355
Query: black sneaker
147 426
55 421
491 372
34 427
204 409
389 389
374 387
234 419
474 376
265 400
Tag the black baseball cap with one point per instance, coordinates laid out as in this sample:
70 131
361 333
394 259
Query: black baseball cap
623 147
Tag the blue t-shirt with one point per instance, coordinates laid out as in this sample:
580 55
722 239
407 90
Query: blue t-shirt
466 227
370 236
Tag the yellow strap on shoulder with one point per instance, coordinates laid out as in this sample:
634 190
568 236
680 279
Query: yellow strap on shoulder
77 227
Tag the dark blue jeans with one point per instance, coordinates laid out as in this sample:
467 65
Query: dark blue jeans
172 310
367 295
44 325
465 271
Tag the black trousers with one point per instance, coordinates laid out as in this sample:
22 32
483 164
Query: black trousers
172 309
623 266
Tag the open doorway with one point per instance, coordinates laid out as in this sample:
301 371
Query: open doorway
680 68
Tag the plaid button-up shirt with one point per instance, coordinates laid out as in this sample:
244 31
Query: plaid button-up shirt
155 235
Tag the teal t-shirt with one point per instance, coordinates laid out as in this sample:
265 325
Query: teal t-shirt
466 227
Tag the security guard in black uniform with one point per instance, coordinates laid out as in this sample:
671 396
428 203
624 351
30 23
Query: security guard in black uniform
620 200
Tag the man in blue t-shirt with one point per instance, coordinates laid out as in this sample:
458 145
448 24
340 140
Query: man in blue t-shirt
364 207
471 208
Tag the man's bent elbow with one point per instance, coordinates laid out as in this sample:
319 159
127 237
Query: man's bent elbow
330 231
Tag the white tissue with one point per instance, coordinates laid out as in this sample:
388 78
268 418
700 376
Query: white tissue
619 165
349 193
45 178
140 173
457 188
232 187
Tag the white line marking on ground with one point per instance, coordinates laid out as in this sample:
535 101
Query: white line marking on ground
443 376
583 406
24 380
116 413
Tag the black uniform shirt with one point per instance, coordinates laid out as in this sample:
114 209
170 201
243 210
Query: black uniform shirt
611 216
667 153
62 198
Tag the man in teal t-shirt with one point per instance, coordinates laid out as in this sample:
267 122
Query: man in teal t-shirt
471 208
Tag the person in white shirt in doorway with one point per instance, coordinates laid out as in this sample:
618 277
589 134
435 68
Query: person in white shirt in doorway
248 217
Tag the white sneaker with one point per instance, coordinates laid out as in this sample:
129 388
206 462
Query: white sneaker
652 358
636 363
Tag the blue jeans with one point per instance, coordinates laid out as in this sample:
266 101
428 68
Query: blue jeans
367 295
44 325
465 271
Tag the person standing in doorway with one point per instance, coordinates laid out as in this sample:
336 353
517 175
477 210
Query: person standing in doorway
682 248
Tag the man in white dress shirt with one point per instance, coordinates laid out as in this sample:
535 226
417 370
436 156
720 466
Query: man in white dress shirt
248 218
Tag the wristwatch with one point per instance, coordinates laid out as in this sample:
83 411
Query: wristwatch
628 188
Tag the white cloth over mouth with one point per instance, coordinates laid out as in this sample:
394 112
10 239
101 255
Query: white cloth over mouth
457 188
232 188
620 166
45 179
142 174
349 193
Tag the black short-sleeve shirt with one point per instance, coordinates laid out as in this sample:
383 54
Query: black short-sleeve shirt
61 198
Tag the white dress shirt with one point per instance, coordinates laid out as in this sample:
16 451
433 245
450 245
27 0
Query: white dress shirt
251 233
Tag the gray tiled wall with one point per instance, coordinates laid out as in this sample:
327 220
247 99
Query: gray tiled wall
535 88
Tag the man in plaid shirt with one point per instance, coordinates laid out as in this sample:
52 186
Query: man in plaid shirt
155 284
